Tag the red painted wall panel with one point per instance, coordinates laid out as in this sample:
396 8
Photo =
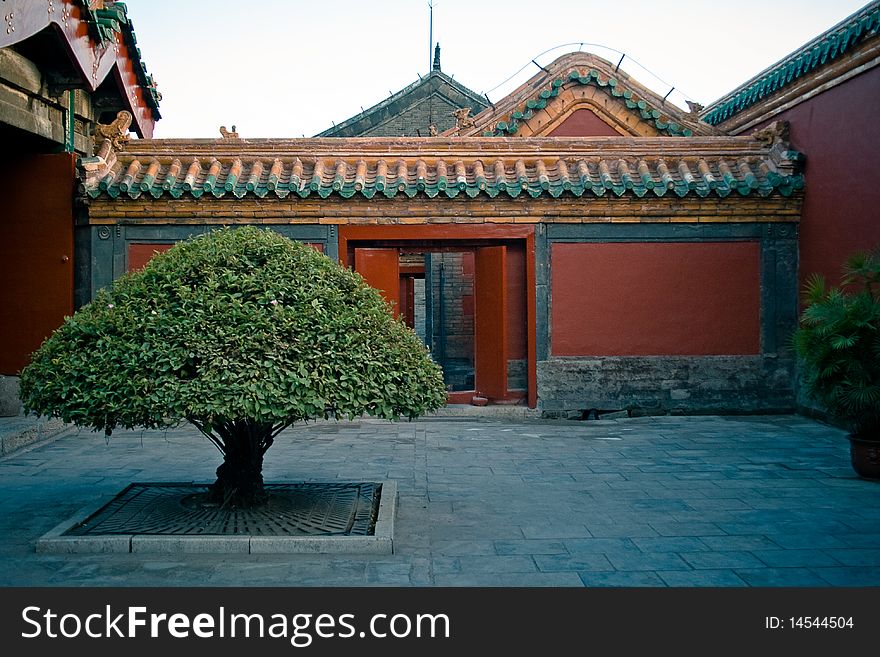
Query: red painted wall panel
640 299
838 131
584 123
140 254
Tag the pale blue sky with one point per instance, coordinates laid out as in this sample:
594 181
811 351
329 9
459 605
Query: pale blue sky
278 68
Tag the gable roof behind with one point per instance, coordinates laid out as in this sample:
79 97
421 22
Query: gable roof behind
411 110
581 80
838 44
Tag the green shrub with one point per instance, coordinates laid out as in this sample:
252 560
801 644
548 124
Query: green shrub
838 343
241 332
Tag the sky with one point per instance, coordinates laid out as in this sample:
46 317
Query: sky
285 68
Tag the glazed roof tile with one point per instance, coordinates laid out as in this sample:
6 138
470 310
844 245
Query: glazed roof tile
443 168
829 46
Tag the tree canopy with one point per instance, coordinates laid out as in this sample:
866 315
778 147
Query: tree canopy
234 325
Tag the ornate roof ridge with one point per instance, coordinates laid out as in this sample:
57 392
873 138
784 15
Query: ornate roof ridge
584 68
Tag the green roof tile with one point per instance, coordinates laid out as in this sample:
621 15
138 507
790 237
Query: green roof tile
490 176
825 48
539 101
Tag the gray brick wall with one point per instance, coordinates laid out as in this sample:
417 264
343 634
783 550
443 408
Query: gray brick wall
684 384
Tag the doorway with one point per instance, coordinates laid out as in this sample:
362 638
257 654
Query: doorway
469 300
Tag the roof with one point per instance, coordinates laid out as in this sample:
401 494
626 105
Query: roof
630 101
833 44
443 168
99 38
436 84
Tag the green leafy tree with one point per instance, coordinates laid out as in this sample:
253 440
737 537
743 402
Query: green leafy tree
838 343
241 332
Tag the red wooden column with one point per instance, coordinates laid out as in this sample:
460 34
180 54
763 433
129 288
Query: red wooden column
381 269
490 321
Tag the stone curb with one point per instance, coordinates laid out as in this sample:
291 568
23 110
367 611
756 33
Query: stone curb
30 432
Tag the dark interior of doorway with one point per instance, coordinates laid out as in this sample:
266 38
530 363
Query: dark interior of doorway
437 302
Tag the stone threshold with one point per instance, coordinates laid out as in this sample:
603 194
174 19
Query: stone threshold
380 542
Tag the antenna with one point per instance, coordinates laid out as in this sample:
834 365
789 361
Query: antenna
430 32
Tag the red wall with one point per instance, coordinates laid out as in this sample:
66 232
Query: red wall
584 123
140 254
839 133
619 299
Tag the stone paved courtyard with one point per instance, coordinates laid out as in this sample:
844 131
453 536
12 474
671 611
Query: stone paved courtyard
662 501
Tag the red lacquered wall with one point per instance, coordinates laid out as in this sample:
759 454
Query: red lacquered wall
839 133
140 254
641 299
584 123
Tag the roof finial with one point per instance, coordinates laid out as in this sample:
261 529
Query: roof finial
437 57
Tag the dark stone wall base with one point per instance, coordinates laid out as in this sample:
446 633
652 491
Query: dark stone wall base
666 384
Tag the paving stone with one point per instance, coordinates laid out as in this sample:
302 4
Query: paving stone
694 528
746 543
855 556
647 561
792 558
530 546
670 544
782 577
848 576
721 559
621 529
692 578
577 547
796 541
546 509
582 562
621 579
510 579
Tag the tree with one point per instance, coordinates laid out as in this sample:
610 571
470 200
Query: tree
241 332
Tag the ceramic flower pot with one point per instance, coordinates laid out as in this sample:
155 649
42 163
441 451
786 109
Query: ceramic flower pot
865 455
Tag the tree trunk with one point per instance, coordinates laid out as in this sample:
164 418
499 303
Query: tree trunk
240 476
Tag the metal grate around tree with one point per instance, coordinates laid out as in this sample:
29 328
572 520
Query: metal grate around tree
296 509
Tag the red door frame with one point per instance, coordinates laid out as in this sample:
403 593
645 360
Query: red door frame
473 233
490 322
380 268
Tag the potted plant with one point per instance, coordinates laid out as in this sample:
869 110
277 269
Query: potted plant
838 344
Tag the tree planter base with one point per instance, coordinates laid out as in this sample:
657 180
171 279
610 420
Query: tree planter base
865 455
338 518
